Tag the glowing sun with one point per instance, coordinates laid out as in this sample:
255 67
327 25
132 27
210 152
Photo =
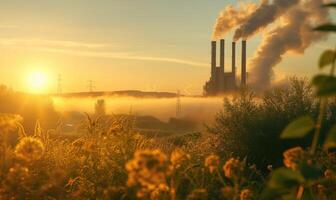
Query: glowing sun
37 81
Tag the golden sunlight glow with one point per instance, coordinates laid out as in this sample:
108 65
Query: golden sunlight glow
37 82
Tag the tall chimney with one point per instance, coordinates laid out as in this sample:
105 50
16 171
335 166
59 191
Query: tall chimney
234 58
213 59
243 75
222 55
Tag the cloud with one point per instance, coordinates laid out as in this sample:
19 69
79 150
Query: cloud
89 50
125 56
50 43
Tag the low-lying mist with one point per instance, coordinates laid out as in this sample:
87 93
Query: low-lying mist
198 109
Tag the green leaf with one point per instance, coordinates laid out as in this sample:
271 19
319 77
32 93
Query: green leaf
330 5
298 128
310 172
330 141
327 58
284 178
321 79
326 28
326 85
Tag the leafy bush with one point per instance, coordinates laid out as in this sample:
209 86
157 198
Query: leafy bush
250 125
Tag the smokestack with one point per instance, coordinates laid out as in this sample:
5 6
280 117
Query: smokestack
243 63
213 59
234 58
222 55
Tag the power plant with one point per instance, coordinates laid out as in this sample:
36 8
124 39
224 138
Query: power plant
220 81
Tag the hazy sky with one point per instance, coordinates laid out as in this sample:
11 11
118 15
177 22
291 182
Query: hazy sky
120 44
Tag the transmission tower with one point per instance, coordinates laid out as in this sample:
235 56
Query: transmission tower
59 84
91 85
178 104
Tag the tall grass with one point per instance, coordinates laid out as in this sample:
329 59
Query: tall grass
110 160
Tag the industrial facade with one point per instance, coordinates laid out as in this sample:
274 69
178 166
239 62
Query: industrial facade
221 81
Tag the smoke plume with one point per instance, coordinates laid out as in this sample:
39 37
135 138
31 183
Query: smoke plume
294 35
265 14
293 20
231 17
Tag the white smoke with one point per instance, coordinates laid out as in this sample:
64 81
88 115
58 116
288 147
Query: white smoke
231 17
265 14
294 33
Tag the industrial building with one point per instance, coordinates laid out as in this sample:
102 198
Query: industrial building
220 81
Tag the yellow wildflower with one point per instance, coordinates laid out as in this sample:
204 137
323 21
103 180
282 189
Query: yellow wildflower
233 168
293 156
9 122
17 174
148 170
29 149
158 192
177 157
246 194
329 174
212 162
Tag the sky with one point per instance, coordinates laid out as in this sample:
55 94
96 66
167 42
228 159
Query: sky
149 45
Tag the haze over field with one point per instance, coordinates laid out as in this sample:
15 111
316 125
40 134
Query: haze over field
200 110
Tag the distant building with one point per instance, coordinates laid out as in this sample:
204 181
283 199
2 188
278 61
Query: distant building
221 81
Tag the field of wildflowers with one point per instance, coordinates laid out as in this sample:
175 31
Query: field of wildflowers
116 162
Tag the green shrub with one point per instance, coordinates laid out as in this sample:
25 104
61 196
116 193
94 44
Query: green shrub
250 125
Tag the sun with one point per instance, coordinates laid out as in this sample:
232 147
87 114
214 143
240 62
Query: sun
37 81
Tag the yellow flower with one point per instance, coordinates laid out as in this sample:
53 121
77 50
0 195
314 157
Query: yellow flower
293 156
29 149
158 192
233 168
177 157
17 174
9 122
212 162
148 170
246 194
329 174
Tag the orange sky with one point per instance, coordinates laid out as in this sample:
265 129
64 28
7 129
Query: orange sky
120 45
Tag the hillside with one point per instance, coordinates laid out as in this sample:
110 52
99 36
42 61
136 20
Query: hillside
131 93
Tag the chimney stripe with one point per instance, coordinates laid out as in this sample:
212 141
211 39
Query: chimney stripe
243 75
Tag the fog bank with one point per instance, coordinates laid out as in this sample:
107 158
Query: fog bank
199 109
